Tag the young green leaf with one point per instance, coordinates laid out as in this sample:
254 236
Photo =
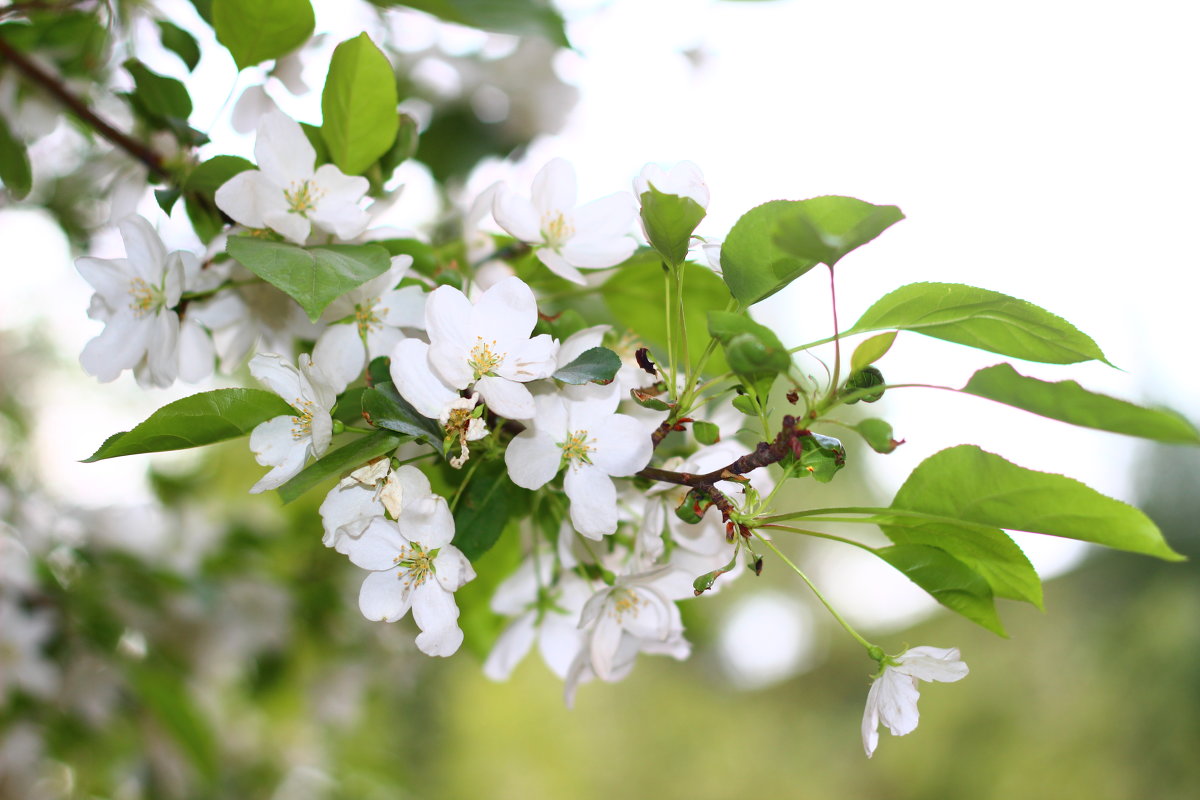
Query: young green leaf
950 582
198 420
753 265
753 351
157 95
871 350
179 42
485 507
14 164
821 457
595 365
973 485
669 221
209 176
824 229
338 462
980 318
314 277
878 435
358 105
257 30
706 432
1069 402
385 408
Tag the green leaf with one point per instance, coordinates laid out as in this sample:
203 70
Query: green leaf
706 432
358 105
753 351
213 173
950 582
820 456
14 164
595 365
338 462
669 221
423 256
204 216
485 507
871 350
314 277
859 383
878 435
969 484
349 406
1067 401
980 318
159 95
179 42
257 30
194 421
636 293
752 264
384 407
824 229
987 550
518 17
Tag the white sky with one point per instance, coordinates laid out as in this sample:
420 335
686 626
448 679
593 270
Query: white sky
1042 149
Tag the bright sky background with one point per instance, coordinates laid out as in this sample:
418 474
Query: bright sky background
1042 149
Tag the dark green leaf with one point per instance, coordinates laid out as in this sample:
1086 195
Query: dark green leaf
518 17
204 9
14 164
338 462
595 365
950 582
159 95
257 30
824 229
213 173
669 221
384 407
871 350
313 134
198 420
349 407
166 199
970 484
204 216
314 277
753 266
403 148
706 432
485 507
1069 402
179 42
980 318
358 105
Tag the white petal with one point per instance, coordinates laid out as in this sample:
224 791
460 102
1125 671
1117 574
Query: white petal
506 398
603 645
609 217
118 347
340 354
560 266
511 647
337 209
506 313
250 108
932 664
346 512
144 249
530 360
870 723
288 224
403 308
162 351
282 151
384 596
273 445
416 382
429 522
575 344
248 197
378 545
452 569
898 697
595 253
560 641
110 277
593 501
622 446
516 215
278 375
436 614
554 188
533 459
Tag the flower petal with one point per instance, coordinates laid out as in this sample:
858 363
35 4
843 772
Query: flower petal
340 354
622 446
933 664
248 197
385 596
511 647
118 347
378 546
506 398
560 266
516 215
144 249
452 569
274 445
416 382
282 151
554 188
593 501
533 459
609 217
436 614
403 308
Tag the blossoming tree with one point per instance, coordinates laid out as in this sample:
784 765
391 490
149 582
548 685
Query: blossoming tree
587 380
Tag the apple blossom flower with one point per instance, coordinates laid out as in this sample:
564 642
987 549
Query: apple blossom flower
286 194
565 238
285 442
683 180
485 345
377 311
583 433
413 565
893 696
354 503
136 298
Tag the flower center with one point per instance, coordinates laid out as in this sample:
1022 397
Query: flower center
576 447
302 197
557 230
302 424
367 317
483 358
625 602
144 298
415 564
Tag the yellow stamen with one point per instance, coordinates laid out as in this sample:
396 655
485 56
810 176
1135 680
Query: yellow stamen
416 565
145 298
302 424
302 197
556 229
483 359
577 447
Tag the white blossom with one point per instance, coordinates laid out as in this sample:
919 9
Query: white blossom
583 433
683 180
377 311
413 565
285 442
136 298
286 194
485 345
893 696
565 238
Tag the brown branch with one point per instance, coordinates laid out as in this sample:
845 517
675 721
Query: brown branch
79 109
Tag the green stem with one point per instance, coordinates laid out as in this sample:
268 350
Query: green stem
669 315
819 535
849 629
466 479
